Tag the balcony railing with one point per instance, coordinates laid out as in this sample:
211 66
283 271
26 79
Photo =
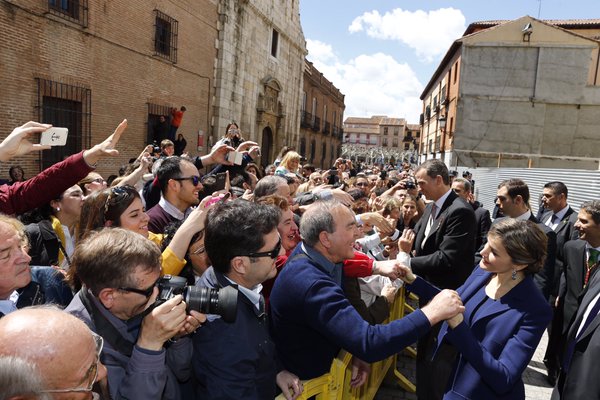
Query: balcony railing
316 124
306 120
326 128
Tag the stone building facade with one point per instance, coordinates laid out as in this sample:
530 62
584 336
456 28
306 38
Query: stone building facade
258 72
322 112
522 93
380 139
88 64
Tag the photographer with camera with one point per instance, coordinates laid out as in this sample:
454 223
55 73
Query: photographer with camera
145 349
238 360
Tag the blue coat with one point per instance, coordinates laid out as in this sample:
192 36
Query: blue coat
312 319
495 350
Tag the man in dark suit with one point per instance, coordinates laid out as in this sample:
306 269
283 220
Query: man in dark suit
561 219
513 199
578 377
462 187
443 255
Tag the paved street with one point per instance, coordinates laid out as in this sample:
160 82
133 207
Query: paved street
536 386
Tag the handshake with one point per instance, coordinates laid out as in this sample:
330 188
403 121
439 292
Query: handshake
445 306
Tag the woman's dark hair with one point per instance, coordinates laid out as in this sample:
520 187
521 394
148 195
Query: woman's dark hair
11 172
524 241
259 172
104 208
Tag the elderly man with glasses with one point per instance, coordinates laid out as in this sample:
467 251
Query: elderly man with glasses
146 350
237 360
61 349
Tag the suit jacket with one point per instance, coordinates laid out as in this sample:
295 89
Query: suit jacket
496 348
234 360
544 279
445 256
581 381
482 223
574 276
565 231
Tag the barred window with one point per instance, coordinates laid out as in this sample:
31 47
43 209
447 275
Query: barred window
65 106
156 128
72 10
165 36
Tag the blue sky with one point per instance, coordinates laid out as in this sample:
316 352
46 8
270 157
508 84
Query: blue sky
381 54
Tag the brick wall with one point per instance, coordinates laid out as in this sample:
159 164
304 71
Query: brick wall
113 57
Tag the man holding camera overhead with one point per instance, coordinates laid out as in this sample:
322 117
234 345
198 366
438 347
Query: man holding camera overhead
237 360
145 349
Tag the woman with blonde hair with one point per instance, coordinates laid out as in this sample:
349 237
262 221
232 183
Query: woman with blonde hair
289 163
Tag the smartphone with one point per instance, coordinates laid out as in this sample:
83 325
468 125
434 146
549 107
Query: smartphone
235 157
54 137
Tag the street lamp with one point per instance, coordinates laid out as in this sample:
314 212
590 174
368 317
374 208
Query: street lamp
442 123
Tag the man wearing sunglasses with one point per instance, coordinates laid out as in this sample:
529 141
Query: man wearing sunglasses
62 349
145 348
179 182
237 360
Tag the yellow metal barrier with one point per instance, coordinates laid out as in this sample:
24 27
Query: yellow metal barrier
335 385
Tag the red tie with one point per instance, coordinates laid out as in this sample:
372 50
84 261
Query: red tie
592 263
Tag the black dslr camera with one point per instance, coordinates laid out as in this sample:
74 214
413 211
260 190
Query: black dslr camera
221 302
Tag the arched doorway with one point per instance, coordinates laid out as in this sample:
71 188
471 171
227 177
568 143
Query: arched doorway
266 145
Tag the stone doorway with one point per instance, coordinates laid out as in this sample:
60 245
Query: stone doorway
266 146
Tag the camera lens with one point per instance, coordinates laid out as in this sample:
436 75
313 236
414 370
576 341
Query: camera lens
221 302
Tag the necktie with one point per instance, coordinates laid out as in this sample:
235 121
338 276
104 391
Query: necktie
552 221
261 307
430 222
592 263
571 347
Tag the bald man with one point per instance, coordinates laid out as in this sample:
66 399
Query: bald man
60 346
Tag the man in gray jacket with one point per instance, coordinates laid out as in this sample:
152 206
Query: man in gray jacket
145 350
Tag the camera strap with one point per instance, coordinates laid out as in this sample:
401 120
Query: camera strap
103 326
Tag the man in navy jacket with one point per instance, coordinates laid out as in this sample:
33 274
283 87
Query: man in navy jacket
312 319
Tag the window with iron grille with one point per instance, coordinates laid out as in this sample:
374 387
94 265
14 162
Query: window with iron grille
158 130
165 36
65 106
72 10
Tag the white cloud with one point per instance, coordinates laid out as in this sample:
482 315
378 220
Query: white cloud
374 84
429 33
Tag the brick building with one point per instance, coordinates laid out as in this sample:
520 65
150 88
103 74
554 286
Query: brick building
322 112
522 93
88 64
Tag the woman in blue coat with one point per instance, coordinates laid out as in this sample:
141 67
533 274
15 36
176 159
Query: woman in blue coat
504 319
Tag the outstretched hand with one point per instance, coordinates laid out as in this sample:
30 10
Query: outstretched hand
107 147
18 143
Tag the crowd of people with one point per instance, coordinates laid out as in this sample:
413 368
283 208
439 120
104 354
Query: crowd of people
162 282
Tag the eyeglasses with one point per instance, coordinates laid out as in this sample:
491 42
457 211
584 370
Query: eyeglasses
273 253
144 292
92 371
194 178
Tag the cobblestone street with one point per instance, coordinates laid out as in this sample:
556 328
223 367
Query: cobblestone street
536 386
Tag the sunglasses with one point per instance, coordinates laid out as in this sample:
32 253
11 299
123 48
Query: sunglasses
194 178
144 292
116 195
92 371
273 253
362 184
